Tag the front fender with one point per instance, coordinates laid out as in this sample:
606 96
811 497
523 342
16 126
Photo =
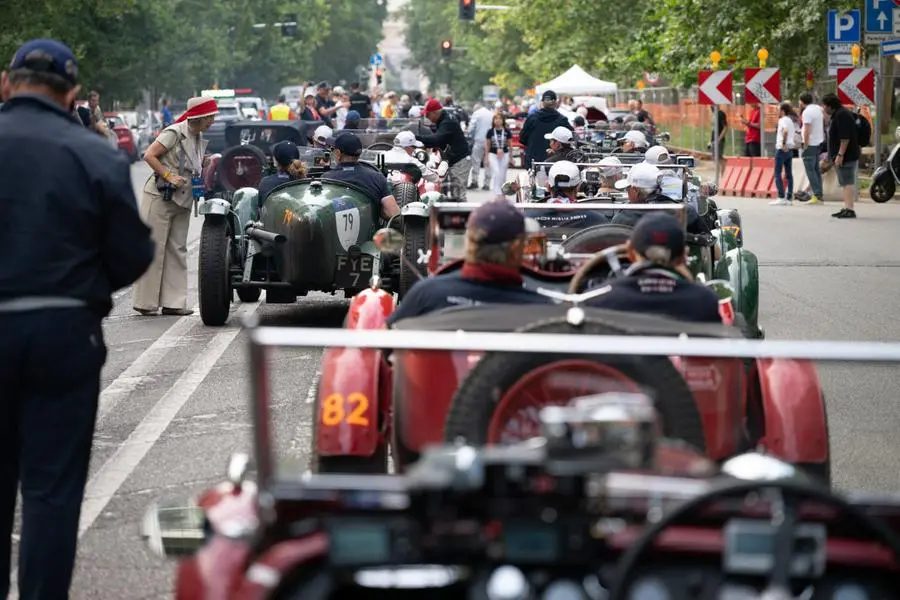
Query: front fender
214 206
740 267
794 410
415 209
348 400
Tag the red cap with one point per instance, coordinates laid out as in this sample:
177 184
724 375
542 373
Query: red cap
432 105
198 107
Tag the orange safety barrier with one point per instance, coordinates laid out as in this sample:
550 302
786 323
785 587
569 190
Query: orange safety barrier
762 177
734 178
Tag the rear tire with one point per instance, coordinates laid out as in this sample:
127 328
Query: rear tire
215 272
882 191
415 237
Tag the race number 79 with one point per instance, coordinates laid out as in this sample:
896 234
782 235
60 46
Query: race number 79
348 220
337 409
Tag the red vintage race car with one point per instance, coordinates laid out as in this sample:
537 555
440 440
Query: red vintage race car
575 513
370 405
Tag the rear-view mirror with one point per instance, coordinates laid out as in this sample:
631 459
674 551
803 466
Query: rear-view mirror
174 529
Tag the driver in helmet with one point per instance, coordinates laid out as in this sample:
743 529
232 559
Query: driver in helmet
643 187
405 144
634 142
658 281
495 244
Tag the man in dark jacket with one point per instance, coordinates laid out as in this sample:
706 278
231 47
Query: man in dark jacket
538 125
73 237
450 140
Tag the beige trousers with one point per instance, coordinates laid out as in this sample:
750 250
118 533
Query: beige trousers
165 282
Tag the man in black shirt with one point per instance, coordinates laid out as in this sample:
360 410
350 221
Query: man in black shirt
658 281
73 236
538 125
360 102
719 149
347 149
324 104
450 140
495 243
843 149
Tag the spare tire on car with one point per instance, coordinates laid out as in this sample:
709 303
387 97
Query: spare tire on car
488 384
241 166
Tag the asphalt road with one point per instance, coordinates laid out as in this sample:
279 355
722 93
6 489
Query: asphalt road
176 393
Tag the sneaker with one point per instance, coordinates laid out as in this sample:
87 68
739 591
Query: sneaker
781 202
485 188
813 200
845 213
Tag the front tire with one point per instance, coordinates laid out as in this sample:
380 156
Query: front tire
882 191
215 272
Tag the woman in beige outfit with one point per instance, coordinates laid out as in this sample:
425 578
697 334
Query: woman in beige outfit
176 157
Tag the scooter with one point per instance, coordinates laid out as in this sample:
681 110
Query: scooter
885 179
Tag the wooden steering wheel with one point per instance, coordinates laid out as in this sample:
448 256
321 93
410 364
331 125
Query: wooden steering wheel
613 259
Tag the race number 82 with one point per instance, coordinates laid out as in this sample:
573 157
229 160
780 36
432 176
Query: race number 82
337 409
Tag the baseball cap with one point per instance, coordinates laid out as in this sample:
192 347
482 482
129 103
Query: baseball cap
284 152
432 105
637 138
322 85
641 175
658 237
347 143
353 115
46 56
549 96
564 174
610 165
339 90
322 133
561 134
657 155
499 220
415 112
406 139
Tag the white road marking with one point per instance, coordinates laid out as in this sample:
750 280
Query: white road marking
112 475
190 248
313 389
123 385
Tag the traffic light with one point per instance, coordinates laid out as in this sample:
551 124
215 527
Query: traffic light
447 48
289 26
466 10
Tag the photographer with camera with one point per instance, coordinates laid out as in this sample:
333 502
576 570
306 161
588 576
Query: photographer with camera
177 159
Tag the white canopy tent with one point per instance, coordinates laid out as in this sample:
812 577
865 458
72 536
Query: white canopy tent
577 81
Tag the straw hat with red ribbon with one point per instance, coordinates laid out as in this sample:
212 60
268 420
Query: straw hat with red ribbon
199 107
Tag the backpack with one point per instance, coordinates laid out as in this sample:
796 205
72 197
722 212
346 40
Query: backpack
863 131
798 132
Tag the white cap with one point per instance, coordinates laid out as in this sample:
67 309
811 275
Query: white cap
309 92
560 134
641 175
415 112
322 133
637 138
406 139
338 90
572 176
657 155
612 163
498 104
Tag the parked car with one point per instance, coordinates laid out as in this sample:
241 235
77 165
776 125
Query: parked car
124 135
148 129
229 112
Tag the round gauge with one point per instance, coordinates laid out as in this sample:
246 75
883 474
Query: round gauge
850 591
563 589
649 588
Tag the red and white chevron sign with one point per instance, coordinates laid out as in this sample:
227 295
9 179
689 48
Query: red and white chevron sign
715 87
762 86
856 86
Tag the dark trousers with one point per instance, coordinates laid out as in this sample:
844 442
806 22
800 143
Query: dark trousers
50 363
752 149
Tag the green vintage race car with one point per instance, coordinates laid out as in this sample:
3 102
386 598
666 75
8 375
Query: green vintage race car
309 235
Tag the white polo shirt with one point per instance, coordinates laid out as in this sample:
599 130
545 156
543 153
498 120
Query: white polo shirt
814 119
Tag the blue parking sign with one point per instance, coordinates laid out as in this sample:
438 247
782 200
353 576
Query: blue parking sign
844 27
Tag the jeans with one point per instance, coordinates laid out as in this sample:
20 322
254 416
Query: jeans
811 164
783 160
477 161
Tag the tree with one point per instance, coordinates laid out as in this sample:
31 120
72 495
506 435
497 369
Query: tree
356 30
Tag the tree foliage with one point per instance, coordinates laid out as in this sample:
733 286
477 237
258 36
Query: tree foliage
539 39
177 47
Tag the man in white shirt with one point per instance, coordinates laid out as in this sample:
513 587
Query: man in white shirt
813 119
405 144
479 124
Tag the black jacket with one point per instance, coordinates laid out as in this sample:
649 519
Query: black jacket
70 216
695 224
536 127
449 139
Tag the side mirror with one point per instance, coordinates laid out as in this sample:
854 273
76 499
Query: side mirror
388 240
173 530
443 168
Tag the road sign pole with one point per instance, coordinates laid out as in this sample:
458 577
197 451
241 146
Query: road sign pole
716 141
880 110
